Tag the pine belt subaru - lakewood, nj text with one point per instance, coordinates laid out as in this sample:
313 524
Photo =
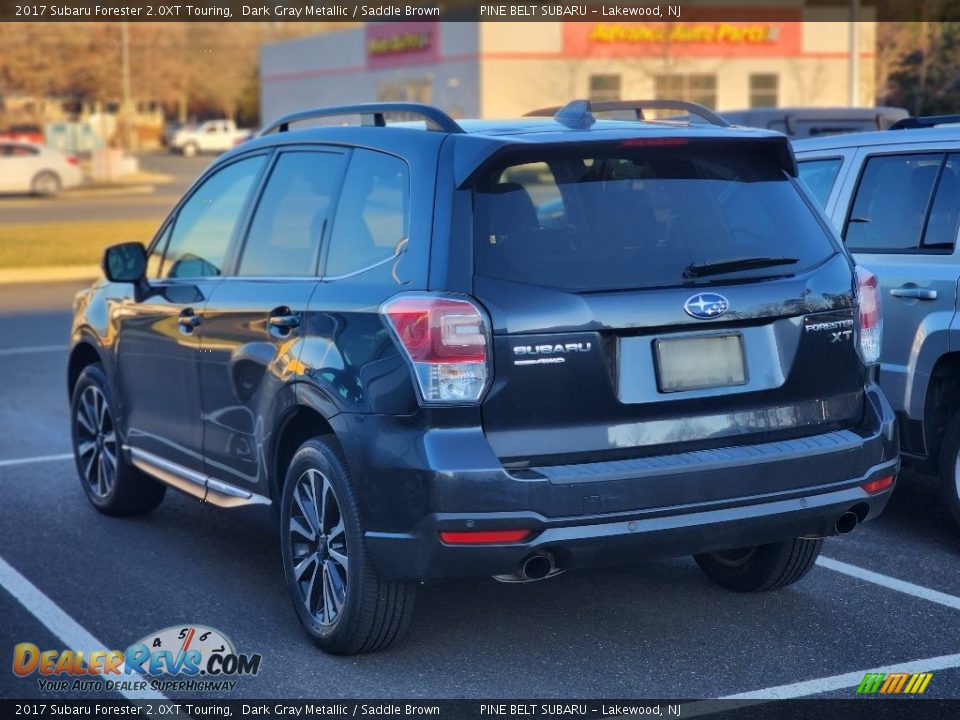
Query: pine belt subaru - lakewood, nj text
432 349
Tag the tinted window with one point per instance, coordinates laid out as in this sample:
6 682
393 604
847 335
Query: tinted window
941 232
372 216
205 224
639 217
285 234
819 176
891 203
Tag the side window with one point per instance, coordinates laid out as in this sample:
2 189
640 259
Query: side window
155 258
373 213
290 218
819 177
891 204
942 226
205 224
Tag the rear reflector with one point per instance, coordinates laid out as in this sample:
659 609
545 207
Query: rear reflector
483 537
71 160
875 486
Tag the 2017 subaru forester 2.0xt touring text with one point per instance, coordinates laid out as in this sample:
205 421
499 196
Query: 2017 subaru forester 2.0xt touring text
435 349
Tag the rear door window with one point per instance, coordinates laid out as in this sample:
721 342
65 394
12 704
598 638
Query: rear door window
942 224
892 202
819 177
640 217
284 237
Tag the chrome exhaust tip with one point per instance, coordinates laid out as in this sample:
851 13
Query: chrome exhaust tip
536 566
847 523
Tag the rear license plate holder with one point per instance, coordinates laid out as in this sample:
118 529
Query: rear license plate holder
700 362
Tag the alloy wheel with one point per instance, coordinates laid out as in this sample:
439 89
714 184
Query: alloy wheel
96 441
318 543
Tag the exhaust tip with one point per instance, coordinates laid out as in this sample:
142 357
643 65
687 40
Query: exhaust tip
847 523
536 567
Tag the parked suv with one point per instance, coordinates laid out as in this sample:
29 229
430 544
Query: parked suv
368 332
895 198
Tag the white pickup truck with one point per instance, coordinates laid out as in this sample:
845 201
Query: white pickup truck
212 136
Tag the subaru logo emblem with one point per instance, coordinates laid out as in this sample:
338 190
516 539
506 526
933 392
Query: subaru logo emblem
705 306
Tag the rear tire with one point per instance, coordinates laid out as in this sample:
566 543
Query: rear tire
761 567
46 184
950 468
341 603
112 485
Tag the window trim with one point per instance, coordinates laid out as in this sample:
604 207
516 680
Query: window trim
171 221
232 264
321 269
867 157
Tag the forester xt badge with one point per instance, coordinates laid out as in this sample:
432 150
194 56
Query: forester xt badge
547 354
839 330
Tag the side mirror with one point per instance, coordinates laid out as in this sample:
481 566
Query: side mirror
126 262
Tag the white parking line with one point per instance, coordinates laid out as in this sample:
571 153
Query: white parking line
951 601
74 635
32 349
815 687
36 459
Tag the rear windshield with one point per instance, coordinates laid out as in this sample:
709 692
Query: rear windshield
638 217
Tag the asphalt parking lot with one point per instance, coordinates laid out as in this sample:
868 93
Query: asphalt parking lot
885 597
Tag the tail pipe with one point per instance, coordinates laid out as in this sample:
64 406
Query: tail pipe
536 566
847 523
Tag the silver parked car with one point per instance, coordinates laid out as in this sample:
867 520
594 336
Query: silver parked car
36 169
894 196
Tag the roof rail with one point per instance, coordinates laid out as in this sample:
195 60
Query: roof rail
580 112
926 121
370 114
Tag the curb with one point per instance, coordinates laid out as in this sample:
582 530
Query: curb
82 191
9 276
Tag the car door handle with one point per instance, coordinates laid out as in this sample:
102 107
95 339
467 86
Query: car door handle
916 293
189 319
286 321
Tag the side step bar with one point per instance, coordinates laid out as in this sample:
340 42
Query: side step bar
204 487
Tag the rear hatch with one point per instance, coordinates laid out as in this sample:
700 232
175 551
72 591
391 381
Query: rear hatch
655 296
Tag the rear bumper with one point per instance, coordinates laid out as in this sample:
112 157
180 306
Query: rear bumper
611 512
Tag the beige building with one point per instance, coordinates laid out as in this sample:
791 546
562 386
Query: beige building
500 69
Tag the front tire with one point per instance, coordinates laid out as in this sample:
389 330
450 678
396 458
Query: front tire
190 150
950 468
112 485
342 604
761 567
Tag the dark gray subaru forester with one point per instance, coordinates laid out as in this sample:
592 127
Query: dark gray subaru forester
434 349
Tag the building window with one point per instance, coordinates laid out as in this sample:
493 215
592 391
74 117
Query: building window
604 88
412 89
763 90
696 88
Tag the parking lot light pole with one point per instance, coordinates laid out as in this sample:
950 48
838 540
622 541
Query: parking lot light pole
853 64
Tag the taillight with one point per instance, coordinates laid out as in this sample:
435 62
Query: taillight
71 160
447 342
871 316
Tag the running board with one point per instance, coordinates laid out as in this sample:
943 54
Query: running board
207 489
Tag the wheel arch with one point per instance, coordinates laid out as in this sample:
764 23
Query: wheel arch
299 424
83 354
941 402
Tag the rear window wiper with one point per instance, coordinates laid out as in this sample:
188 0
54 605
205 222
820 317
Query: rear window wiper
719 267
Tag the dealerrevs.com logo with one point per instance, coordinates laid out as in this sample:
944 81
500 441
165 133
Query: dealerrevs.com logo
192 657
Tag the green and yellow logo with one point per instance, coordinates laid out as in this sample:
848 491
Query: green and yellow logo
894 683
